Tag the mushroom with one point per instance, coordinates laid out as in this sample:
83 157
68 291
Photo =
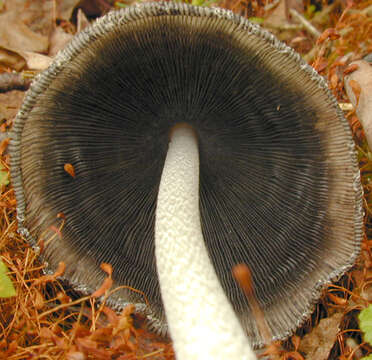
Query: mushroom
138 104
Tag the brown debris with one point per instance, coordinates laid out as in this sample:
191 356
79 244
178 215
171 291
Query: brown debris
69 169
318 344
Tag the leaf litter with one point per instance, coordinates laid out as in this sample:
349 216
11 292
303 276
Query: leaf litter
46 319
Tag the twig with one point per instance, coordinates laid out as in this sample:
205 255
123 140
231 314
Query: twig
307 25
13 81
284 27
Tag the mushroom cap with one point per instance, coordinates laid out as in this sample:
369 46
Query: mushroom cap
279 182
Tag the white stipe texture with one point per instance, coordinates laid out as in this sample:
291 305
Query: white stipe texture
201 320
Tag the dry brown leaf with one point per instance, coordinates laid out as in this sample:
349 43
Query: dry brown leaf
25 27
35 61
58 40
318 343
11 59
38 15
20 37
82 21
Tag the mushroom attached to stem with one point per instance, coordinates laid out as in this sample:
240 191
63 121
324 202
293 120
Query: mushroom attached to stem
279 184
201 319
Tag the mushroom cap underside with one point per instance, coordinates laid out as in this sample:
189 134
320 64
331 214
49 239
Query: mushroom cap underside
279 183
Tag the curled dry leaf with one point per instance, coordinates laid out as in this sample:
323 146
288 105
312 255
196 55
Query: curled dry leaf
35 61
69 169
23 38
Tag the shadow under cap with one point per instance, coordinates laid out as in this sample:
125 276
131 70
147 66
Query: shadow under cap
279 182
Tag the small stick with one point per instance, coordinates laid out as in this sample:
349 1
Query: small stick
306 24
13 81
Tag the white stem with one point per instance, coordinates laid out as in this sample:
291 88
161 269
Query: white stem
201 320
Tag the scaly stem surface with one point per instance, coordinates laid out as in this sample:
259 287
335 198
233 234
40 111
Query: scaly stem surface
201 320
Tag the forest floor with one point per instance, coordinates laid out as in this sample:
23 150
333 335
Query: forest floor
45 320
